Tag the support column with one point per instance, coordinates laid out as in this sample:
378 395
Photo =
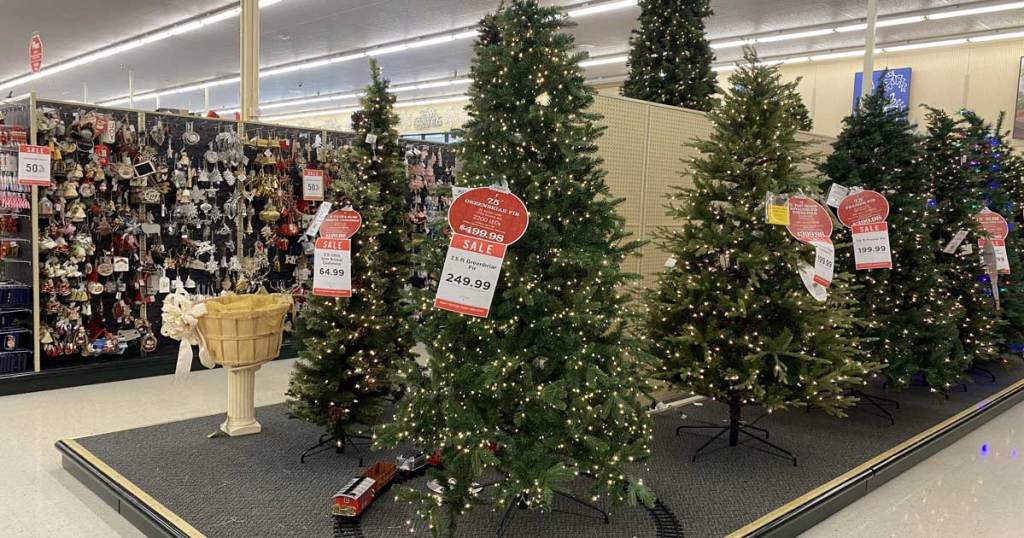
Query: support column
869 49
250 56
241 402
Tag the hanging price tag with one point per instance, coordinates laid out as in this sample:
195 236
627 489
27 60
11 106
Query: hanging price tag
485 222
313 185
819 292
318 219
470 276
459 191
33 165
332 268
776 209
871 246
950 247
824 263
994 229
836 193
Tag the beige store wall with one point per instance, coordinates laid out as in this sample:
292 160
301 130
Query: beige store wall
981 77
431 118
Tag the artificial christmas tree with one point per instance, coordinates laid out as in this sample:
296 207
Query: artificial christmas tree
956 201
546 388
910 312
987 153
347 345
376 157
670 58
732 319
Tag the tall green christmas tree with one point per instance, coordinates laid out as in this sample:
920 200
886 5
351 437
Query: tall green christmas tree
347 346
956 201
376 155
732 319
670 58
547 387
987 155
910 311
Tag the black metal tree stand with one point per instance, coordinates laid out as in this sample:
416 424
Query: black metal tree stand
736 426
506 518
339 443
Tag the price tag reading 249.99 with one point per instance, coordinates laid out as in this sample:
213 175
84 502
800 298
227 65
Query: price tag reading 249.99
485 221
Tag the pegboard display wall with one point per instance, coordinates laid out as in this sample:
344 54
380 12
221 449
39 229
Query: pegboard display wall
646 151
143 204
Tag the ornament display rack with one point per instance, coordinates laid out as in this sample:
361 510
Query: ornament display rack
243 232
17 326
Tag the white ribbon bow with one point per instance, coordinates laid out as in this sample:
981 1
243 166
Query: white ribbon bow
181 322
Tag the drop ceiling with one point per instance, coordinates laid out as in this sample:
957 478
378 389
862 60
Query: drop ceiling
299 29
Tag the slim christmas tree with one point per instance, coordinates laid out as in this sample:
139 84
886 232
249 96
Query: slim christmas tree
547 387
987 156
956 201
909 311
347 345
670 58
377 157
732 319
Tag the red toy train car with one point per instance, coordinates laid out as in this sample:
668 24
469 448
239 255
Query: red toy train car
360 492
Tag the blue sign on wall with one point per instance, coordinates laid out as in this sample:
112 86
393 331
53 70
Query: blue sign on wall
897 86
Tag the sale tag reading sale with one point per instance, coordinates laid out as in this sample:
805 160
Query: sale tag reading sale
871 246
332 268
313 185
470 276
33 165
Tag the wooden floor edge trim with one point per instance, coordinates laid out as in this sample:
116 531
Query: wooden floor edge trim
866 467
146 499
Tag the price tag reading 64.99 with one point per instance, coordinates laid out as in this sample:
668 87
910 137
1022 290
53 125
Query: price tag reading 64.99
332 268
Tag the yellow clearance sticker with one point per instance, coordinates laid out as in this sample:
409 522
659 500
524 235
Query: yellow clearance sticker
778 214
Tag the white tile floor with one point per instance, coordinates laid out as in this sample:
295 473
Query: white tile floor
972 488
39 499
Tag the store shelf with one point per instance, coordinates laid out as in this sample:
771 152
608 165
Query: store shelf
18 330
15 260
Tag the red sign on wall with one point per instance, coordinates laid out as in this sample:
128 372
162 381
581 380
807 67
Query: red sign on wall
35 53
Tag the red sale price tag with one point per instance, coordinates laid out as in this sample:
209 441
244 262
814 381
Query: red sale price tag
994 228
809 222
332 268
490 214
863 207
871 246
824 264
33 165
35 53
470 276
341 224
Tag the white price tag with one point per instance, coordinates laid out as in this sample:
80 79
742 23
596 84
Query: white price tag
950 247
824 263
836 193
313 185
318 219
999 250
470 275
457 191
33 165
871 246
671 262
819 292
332 268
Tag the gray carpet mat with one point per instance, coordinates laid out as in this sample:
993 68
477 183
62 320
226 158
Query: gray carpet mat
255 486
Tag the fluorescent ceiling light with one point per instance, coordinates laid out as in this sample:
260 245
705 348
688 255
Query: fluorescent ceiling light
729 44
996 37
793 35
926 45
159 34
963 12
601 8
836 55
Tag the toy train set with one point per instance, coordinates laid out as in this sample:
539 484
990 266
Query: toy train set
360 492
